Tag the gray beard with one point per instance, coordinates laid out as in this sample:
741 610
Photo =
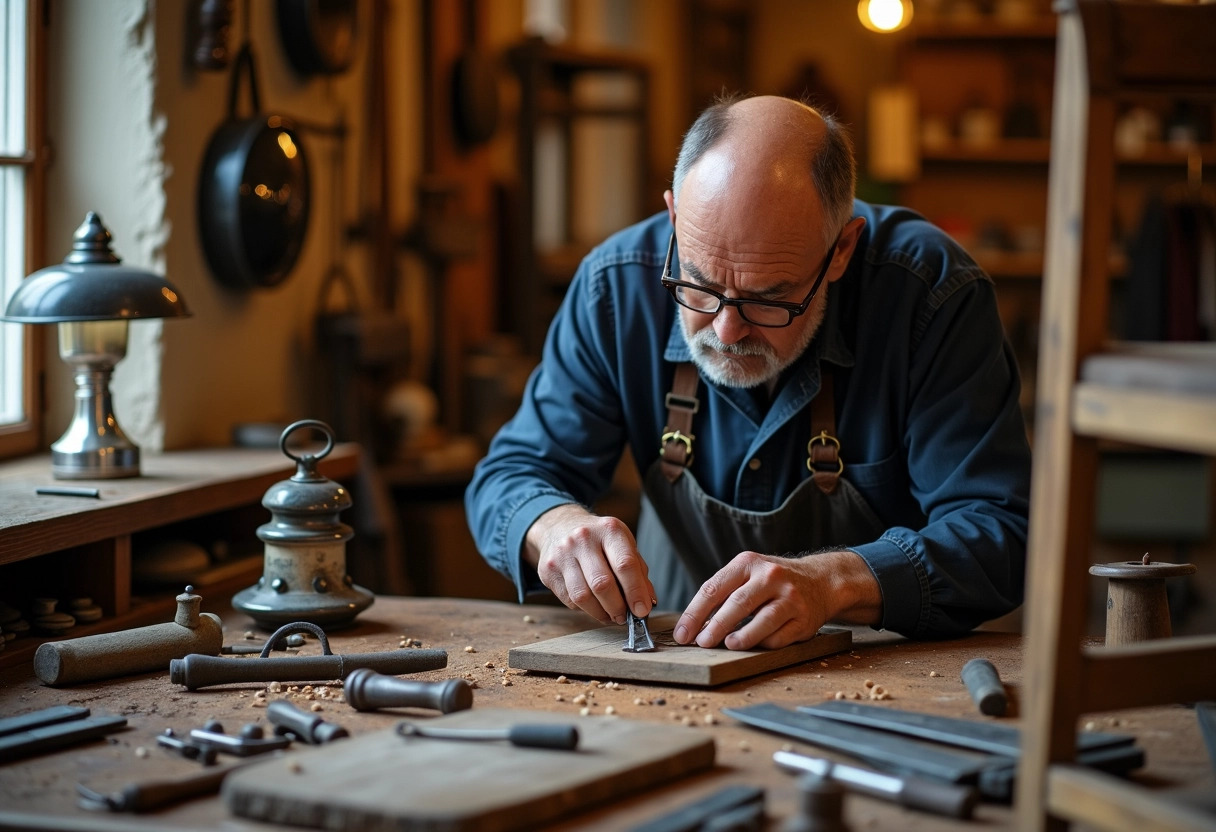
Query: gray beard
712 357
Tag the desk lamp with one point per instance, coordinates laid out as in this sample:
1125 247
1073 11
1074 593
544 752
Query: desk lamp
92 296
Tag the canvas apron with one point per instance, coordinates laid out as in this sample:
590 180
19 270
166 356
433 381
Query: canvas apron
686 536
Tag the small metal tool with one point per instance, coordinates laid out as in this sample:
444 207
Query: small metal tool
73 732
639 640
294 640
205 754
367 690
42 718
984 685
561 737
252 739
945 799
290 721
155 794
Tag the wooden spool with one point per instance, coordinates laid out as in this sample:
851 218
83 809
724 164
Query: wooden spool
1137 608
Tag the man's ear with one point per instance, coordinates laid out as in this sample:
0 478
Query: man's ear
670 199
849 235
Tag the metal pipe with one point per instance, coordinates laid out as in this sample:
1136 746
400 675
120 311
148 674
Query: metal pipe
198 671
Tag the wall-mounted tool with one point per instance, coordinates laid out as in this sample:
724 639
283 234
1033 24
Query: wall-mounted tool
984 685
304 575
252 739
913 792
126 652
198 671
1137 608
540 735
291 722
367 690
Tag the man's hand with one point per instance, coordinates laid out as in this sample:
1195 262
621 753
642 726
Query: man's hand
789 599
587 561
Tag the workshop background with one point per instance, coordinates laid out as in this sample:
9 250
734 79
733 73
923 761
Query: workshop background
468 155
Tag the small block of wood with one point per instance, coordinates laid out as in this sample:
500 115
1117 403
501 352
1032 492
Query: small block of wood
597 653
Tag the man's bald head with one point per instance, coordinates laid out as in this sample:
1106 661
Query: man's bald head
775 137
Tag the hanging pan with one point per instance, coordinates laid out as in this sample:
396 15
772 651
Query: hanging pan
253 192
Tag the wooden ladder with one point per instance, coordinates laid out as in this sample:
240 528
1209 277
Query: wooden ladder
1090 389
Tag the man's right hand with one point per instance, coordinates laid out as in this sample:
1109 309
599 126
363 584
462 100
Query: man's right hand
587 561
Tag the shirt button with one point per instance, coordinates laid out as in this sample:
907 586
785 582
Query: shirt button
754 464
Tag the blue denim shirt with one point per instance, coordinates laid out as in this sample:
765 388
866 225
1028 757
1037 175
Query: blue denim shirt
926 391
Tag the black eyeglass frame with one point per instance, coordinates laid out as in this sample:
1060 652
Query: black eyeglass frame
794 309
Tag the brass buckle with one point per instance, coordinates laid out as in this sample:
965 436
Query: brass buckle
823 438
678 436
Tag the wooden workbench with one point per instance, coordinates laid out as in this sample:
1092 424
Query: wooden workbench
39 793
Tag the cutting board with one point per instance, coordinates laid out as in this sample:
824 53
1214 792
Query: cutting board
384 781
598 654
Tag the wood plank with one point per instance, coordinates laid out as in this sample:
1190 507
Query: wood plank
1159 672
1178 421
597 653
1116 804
386 781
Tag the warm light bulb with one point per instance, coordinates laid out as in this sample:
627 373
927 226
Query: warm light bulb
885 15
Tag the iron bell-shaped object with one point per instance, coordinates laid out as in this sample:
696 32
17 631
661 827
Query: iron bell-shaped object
304 575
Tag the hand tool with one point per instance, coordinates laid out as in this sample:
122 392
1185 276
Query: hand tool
639 640
820 806
964 733
252 739
41 718
561 737
127 652
290 721
293 640
22 744
702 812
155 794
984 685
367 690
199 671
67 491
205 754
914 792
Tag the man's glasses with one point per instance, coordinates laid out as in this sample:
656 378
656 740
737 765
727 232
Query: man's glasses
758 312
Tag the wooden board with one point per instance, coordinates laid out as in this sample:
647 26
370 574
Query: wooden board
386 781
598 654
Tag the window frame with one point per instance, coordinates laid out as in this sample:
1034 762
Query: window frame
25 436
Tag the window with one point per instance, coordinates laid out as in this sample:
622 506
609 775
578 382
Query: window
22 168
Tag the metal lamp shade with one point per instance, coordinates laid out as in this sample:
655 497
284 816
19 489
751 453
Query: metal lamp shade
91 284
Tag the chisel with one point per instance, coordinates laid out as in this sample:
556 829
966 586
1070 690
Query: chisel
561 737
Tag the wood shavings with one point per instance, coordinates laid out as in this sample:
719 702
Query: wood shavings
468 648
529 619
934 674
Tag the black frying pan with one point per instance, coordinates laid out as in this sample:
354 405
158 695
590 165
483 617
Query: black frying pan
253 192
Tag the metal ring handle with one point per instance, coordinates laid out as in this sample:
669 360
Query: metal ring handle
307 423
295 627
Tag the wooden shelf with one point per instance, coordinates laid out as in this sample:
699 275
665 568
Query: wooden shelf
1177 421
1038 151
984 29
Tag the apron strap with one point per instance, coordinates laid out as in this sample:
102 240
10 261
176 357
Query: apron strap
823 451
676 445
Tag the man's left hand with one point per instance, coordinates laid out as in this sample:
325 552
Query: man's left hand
788 600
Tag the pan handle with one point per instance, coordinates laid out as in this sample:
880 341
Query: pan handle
244 59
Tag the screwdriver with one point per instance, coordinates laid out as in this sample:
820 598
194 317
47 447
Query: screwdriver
561 737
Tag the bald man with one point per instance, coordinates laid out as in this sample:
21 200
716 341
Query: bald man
817 392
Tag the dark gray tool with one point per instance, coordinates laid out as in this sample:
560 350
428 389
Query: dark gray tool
947 799
40 719
295 640
37 740
984 685
964 733
155 794
252 740
205 754
699 815
1205 712
639 640
198 671
367 690
289 720
561 737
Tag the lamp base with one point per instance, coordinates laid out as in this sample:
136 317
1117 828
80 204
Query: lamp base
95 464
